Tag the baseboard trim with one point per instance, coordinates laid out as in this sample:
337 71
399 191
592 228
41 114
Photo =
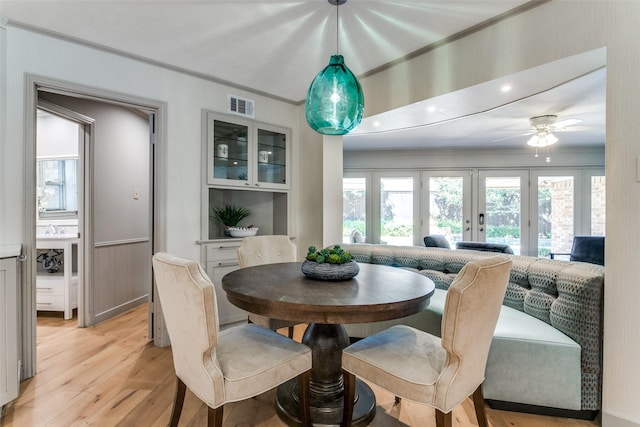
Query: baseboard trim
609 420
112 312
542 410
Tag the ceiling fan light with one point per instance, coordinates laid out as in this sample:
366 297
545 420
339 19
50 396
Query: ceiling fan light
542 138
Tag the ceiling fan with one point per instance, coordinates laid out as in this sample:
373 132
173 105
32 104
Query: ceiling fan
541 131
542 126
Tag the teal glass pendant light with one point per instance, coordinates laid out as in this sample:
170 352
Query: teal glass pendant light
334 103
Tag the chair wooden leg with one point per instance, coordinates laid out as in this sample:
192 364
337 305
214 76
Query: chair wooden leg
305 398
349 396
442 419
291 332
214 416
178 401
478 403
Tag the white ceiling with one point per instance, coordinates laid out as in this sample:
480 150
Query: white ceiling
483 116
276 47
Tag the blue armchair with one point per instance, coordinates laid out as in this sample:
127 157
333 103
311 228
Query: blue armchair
586 249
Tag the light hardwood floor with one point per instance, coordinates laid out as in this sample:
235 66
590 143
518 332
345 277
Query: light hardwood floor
112 375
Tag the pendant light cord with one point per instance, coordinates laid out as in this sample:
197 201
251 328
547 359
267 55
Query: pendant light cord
337 26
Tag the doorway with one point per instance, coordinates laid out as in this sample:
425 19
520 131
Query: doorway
109 252
60 137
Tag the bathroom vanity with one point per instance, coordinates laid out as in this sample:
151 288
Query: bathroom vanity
58 291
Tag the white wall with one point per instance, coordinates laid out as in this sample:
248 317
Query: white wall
37 54
454 159
57 137
546 33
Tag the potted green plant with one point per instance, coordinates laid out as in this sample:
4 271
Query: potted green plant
329 264
229 216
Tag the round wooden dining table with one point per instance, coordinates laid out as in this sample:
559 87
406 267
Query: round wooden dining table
282 291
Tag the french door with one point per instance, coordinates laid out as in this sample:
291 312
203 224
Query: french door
446 205
535 212
503 209
477 205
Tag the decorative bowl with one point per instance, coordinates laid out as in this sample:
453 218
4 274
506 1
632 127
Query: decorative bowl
242 231
326 271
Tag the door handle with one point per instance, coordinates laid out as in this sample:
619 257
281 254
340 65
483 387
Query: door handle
481 219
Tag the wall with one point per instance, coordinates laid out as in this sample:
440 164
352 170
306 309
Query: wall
120 162
57 137
546 33
185 95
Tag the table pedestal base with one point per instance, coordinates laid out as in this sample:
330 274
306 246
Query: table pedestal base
326 387
330 414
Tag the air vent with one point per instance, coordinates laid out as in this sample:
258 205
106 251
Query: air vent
241 106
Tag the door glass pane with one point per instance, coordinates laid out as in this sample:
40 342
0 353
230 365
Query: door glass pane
272 159
354 210
445 207
396 210
502 214
555 215
597 205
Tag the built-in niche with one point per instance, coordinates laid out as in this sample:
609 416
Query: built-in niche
268 210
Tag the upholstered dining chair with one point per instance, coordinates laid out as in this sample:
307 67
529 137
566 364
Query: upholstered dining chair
424 368
221 367
258 250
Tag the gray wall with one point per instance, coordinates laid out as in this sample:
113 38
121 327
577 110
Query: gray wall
120 162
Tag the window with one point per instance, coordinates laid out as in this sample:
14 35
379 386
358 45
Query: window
57 187
354 210
598 201
555 214
396 210
498 206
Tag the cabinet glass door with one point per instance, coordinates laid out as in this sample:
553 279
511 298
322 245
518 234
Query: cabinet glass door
230 152
271 157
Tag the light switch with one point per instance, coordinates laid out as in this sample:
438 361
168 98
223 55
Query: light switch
136 193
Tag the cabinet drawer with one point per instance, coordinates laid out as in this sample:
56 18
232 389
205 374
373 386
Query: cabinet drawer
50 302
227 312
223 252
50 287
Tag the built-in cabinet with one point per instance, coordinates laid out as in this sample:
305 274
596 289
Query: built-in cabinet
220 257
9 363
245 163
58 291
243 153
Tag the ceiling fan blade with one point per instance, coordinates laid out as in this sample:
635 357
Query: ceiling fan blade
565 123
512 136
